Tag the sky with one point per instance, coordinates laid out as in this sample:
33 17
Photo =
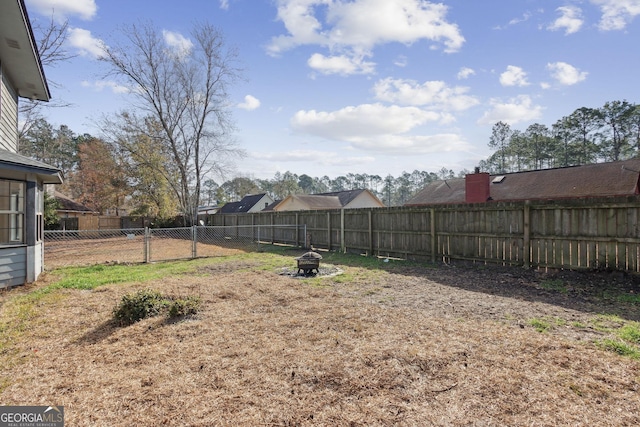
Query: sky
376 87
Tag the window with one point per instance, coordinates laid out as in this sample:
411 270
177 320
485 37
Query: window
12 195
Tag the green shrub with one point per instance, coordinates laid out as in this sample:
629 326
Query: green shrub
148 303
137 306
184 306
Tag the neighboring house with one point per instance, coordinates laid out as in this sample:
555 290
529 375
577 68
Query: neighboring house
251 203
595 180
74 215
69 208
352 199
22 179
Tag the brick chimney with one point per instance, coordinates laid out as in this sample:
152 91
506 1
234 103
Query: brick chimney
476 187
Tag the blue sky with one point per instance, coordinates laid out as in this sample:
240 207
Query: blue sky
372 86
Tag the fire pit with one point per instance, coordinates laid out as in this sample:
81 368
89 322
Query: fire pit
308 262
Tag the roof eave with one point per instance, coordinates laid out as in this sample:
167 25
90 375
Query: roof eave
18 50
18 163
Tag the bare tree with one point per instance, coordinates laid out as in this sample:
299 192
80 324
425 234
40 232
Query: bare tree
51 38
184 90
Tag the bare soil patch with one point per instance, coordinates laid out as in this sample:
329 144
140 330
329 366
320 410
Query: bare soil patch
410 345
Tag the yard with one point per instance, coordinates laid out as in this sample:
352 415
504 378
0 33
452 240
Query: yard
382 343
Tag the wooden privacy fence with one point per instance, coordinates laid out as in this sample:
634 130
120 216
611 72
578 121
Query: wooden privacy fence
571 234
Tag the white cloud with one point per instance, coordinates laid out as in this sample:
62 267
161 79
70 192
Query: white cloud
356 27
570 20
525 17
411 145
566 74
617 14
364 120
84 9
374 127
514 76
519 109
325 158
100 85
179 44
465 73
341 64
86 44
224 4
430 93
515 21
401 61
250 103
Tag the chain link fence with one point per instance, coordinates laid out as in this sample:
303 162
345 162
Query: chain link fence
137 245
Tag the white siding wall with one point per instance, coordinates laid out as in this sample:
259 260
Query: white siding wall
265 201
8 115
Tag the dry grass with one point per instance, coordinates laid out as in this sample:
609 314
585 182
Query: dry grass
268 350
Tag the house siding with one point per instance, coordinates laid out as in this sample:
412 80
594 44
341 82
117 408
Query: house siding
292 205
261 204
364 200
13 266
8 115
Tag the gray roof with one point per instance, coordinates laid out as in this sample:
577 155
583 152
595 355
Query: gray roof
243 205
345 197
70 205
319 201
439 192
12 161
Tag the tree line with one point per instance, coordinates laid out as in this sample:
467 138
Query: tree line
588 135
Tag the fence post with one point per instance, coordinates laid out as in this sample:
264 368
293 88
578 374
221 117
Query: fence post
329 231
194 241
370 234
526 238
343 246
146 245
307 240
433 235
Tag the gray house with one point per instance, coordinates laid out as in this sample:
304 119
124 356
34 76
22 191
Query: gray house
22 179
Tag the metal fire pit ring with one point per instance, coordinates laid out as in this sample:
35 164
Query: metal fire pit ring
308 262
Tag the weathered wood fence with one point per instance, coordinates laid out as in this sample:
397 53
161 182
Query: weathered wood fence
571 234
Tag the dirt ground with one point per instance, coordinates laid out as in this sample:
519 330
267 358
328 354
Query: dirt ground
407 345
510 295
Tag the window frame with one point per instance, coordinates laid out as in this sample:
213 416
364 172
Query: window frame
14 217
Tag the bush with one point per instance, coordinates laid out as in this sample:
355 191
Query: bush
137 306
148 303
184 306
